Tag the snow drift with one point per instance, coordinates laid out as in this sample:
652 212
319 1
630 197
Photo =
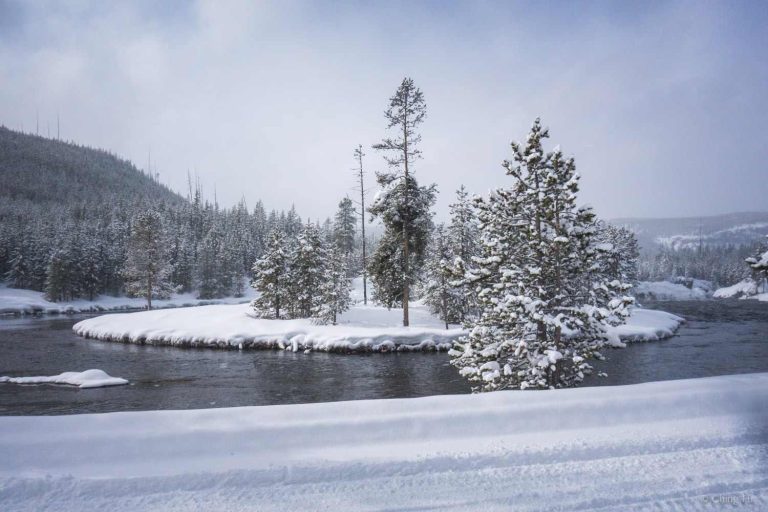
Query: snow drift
675 445
361 329
83 380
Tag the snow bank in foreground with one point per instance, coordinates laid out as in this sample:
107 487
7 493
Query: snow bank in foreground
15 301
676 445
664 290
86 379
361 329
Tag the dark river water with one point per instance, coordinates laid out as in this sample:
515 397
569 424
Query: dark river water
721 337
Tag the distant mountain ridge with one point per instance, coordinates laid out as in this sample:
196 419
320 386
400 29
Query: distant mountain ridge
740 228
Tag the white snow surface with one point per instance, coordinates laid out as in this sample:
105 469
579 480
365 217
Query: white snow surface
664 290
83 380
361 329
15 301
675 445
745 289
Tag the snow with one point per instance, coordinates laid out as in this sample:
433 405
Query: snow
15 301
645 325
83 380
664 290
745 289
361 329
675 445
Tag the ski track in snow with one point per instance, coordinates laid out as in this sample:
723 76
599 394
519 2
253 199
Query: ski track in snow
676 445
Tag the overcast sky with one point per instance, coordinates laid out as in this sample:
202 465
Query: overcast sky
664 105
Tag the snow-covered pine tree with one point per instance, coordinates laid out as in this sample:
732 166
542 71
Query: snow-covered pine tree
147 270
392 269
335 292
270 278
407 110
464 240
544 300
344 226
759 266
621 251
443 298
306 273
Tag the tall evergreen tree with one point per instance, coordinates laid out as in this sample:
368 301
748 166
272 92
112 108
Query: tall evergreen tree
270 278
407 110
397 260
147 270
545 301
442 296
335 290
306 273
344 227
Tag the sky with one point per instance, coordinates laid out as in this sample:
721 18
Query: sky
664 105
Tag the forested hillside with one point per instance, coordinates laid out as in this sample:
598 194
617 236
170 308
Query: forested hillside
46 173
66 217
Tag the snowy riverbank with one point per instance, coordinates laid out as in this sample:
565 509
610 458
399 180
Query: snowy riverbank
361 329
15 301
678 445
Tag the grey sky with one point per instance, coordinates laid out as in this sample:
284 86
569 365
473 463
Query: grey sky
664 105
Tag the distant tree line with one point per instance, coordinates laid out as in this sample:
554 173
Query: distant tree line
722 265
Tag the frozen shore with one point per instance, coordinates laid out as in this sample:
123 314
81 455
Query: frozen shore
15 301
361 329
675 445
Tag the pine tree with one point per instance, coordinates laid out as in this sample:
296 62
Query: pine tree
147 270
306 271
344 227
395 262
270 278
335 292
407 110
443 298
759 266
545 301
464 245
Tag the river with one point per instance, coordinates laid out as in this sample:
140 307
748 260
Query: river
720 337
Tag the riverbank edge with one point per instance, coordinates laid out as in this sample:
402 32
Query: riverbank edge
248 333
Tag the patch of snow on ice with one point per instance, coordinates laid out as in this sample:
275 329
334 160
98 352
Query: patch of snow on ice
83 380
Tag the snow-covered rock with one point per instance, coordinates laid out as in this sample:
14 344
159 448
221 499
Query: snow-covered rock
665 290
15 301
361 329
83 380
675 445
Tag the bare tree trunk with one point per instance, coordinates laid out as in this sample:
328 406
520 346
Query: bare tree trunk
362 218
149 291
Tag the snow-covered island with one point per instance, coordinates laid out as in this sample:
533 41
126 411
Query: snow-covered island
675 445
360 329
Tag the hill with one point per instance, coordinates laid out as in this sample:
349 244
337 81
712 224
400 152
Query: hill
743 228
42 173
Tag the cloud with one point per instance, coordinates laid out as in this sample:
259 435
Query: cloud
660 105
